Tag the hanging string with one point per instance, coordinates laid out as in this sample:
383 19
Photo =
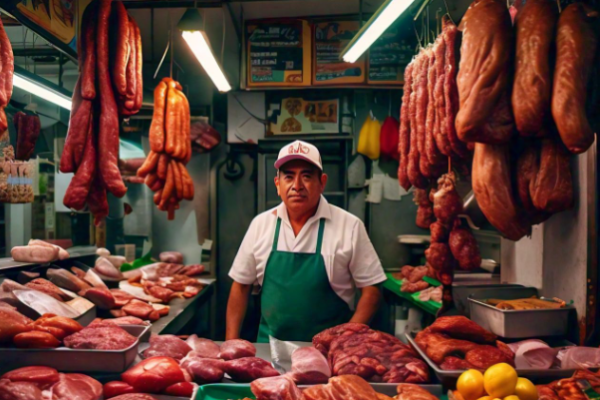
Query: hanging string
448 12
559 7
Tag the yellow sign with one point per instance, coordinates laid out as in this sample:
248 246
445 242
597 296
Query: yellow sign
55 16
298 116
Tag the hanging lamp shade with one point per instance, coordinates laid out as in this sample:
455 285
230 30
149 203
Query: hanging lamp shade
191 20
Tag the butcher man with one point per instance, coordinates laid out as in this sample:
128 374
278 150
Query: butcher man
310 258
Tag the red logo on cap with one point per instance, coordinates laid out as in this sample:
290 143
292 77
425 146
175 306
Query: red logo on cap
298 149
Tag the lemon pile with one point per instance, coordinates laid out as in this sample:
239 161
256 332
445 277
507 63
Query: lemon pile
499 382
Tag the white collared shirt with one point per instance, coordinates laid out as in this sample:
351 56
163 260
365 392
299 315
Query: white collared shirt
350 259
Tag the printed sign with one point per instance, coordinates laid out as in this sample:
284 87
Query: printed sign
298 116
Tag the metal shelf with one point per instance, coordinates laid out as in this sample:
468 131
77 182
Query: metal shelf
75 252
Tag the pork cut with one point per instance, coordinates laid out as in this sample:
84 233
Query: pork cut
19 391
409 391
100 337
205 348
464 248
121 297
276 388
140 309
42 377
12 323
49 288
76 387
249 368
237 348
461 327
134 396
203 370
105 267
342 387
168 346
309 366
66 280
101 297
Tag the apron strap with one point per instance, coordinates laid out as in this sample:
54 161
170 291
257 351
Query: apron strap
276 238
320 237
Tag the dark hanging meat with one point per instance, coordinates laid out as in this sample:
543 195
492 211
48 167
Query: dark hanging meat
439 256
404 140
7 68
491 180
483 75
464 248
576 43
527 168
552 189
28 131
532 87
440 127
413 169
439 232
449 98
424 210
428 169
433 156
447 203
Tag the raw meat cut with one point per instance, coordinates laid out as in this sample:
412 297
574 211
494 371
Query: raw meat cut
462 328
492 185
483 74
552 189
19 391
59 327
34 254
102 298
100 337
439 232
164 269
203 370
181 389
276 388
533 354
66 280
154 374
576 43
413 274
140 309
27 276
464 248
432 293
121 297
546 392
447 204
76 387
104 267
309 366
134 396
36 340
455 364
438 346
249 368
439 256
93 279
204 348
168 346
237 348
192 270
535 28
62 253
42 377
12 323
484 356
410 287
119 321
116 388
162 293
341 387
408 391
357 350
174 257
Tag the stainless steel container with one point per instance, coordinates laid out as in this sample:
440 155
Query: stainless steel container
518 324
461 294
449 378
74 360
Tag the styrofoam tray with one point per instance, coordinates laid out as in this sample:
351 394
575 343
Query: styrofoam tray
75 360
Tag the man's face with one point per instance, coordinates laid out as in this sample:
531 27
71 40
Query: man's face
300 185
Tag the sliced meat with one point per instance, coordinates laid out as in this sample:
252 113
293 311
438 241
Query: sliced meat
168 346
102 298
249 369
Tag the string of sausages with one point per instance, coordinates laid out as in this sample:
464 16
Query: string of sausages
7 69
109 44
170 148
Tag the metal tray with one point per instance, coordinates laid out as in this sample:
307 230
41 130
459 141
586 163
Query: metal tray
74 360
519 324
226 391
461 293
449 378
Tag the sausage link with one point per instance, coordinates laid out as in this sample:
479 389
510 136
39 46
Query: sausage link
178 179
169 187
188 188
149 165
87 52
3 98
81 111
120 44
139 62
157 196
97 201
186 130
108 138
163 164
171 119
79 188
3 121
157 128
8 65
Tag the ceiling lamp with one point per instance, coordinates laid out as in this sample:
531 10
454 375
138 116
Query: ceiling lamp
41 88
379 22
192 32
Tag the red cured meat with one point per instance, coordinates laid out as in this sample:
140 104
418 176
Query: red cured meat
405 128
154 374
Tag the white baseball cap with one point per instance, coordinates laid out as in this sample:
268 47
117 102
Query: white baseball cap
299 150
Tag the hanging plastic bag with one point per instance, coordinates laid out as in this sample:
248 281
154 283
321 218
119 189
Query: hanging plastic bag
368 138
389 138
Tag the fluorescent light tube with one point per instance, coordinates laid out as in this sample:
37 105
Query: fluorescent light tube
198 43
382 20
42 92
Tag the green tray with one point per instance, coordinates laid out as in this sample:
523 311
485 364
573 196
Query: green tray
224 391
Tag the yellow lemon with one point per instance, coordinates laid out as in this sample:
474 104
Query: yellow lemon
526 390
513 397
500 380
487 398
470 384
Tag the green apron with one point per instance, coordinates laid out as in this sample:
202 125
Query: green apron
297 300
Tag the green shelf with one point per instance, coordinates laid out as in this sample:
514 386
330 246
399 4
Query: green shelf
393 285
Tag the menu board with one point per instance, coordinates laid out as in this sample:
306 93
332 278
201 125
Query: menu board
278 53
388 57
330 39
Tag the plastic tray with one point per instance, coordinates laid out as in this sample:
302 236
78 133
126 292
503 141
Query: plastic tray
449 378
517 324
74 360
224 391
